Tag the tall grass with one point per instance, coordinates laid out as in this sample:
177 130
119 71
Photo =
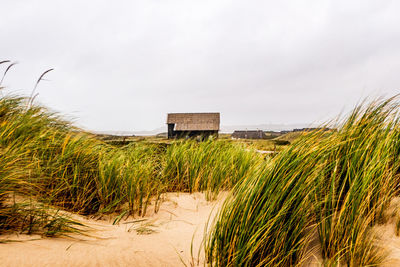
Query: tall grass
207 166
337 184
56 164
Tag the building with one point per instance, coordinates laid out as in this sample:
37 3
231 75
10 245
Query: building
252 134
184 125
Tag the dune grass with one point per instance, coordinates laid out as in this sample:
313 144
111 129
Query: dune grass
336 184
209 166
46 159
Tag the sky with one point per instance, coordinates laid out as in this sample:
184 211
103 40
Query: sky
123 65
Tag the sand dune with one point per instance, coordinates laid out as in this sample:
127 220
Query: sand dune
162 239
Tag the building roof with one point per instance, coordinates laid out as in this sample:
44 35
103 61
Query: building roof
194 121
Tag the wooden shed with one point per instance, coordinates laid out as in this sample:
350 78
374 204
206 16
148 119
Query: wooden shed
181 125
252 134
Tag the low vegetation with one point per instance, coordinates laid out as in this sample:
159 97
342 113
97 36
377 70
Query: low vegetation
273 144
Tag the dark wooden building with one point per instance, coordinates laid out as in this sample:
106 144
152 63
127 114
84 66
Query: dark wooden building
183 125
252 134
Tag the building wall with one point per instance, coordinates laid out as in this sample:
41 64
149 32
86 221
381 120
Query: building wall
191 134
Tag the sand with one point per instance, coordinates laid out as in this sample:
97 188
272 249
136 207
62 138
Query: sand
390 243
162 239
386 235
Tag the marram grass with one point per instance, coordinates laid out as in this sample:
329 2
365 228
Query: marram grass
332 185
336 184
46 159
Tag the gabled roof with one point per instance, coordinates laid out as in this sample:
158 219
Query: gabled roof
194 121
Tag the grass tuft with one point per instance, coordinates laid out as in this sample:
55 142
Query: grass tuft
338 182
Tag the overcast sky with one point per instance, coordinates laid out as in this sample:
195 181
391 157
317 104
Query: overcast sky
122 65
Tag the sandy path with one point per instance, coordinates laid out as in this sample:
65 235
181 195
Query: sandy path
182 217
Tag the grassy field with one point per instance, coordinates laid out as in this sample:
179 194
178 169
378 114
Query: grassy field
273 144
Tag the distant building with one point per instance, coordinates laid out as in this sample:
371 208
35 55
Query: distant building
182 125
252 134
